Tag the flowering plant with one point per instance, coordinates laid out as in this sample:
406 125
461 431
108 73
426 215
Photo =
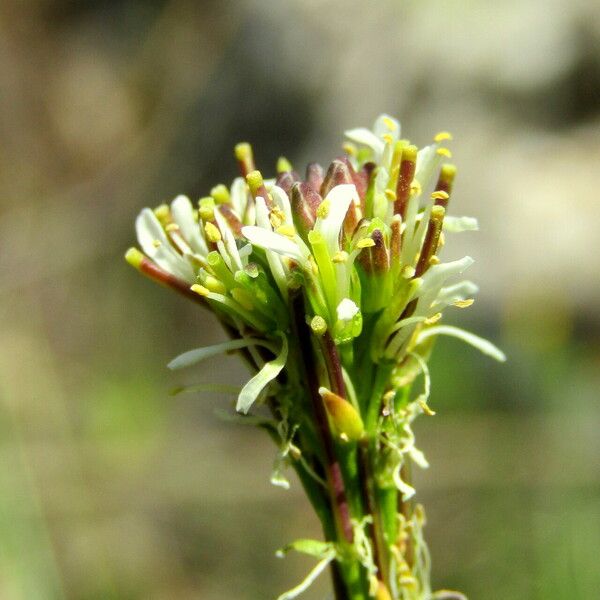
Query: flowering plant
331 289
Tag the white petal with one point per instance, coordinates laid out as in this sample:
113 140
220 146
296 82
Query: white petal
191 357
339 199
453 293
435 277
382 126
481 344
156 245
239 196
228 240
458 224
428 163
272 241
282 200
183 215
308 580
255 386
366 137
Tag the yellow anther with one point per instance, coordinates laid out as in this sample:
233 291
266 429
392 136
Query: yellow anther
134 257
255 181
323 209
214 285
388 138
163 213
206 208
408 272
415 188
283 165
426 408
434 260
276 217
243 151
390 195
156 243
318 325
200 290
287 230
442 136
365 243
242 297
433 319
172 227
440 195
444 152
389 123
464 303
350 149
340 257
220 193
212 233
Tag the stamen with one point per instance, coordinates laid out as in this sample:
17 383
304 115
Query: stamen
134 257
389 123
276 217
200 290
257 187
245 158
350 149
464 303
323 209
212 232
206 208
340 257
220 193
287 230
365 243
444 152
283 165
215 285
442 136
243 297
163 214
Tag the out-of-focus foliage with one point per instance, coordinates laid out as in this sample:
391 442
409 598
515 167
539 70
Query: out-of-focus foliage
112 488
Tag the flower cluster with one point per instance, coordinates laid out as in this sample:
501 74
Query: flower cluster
332 288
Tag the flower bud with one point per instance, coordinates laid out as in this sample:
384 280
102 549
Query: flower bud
444 183
337 174
382 592
286 180
407 172
344 416
314 176
305 201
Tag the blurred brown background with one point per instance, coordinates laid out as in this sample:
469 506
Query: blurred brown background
110 488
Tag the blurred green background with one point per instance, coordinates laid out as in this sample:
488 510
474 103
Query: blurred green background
111 488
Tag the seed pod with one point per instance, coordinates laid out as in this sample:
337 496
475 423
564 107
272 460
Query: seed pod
345 417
